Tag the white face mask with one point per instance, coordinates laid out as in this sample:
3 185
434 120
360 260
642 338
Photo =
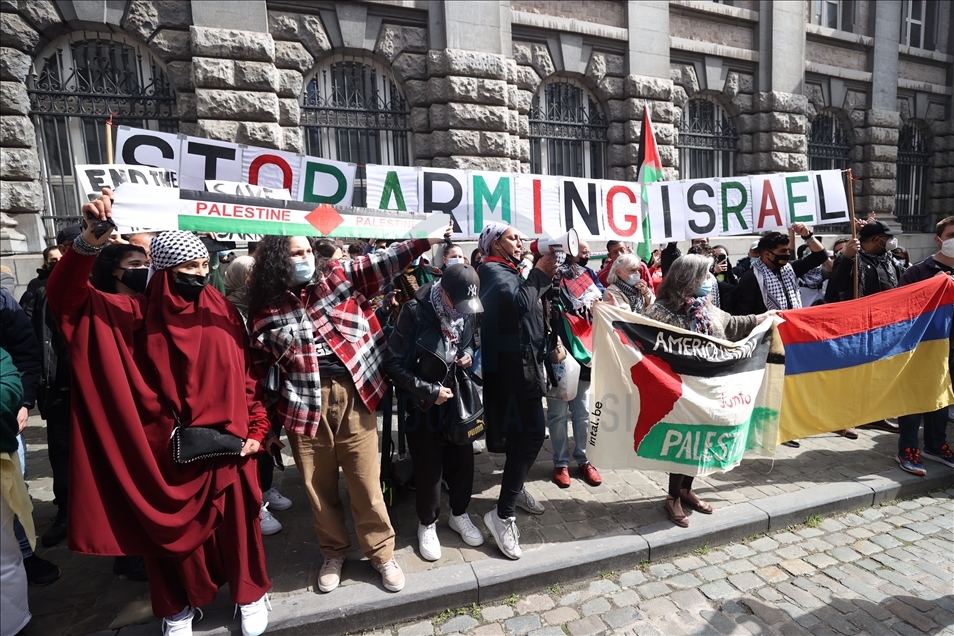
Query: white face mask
891 244
303 269
454 261
947 248
633 279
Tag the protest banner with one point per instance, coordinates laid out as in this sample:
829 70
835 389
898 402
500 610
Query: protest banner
175 209
537 205
676 401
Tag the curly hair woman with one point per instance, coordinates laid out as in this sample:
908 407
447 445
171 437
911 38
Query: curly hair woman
310 314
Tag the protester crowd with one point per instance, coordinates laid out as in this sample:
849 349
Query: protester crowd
168 373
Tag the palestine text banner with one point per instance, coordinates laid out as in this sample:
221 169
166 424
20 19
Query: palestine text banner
174 209
864 360
676 401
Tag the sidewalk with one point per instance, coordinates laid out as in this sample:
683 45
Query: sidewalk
584 531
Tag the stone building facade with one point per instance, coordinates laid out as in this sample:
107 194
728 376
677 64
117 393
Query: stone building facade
733 87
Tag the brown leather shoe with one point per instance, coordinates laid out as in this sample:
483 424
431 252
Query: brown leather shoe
562 477
590 475
884 425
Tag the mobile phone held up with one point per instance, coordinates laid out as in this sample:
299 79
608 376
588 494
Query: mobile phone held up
99 227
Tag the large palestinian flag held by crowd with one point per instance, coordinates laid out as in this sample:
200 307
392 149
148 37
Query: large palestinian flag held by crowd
671 400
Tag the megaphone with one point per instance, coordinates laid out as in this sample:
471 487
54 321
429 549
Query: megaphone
569 243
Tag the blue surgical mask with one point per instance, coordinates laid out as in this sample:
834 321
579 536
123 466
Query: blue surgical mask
454 261
303 270
753 260
416 261
706 289
633 279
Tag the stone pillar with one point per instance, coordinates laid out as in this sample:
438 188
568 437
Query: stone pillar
876 159
21 193
236 84
876 133
627 114
774 133
235 71
648 24
473 112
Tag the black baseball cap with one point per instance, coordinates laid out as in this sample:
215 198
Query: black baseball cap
876 228
463 286
67 234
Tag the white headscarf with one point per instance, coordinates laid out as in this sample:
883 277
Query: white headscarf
171 248
491 233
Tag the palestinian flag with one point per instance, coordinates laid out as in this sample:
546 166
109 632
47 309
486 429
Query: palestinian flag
676 401
579 333
650 171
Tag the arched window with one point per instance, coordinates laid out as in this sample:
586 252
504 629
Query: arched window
828 145
567 132
77 83
351 110
707 140
909 200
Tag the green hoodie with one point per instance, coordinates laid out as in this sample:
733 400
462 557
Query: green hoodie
11 397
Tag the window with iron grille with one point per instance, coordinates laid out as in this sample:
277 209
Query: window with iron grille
352 110
829 148
77 83
707 140
567 132
909 200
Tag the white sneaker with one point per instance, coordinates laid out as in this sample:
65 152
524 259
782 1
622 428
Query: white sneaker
505 533
392 577
180 624
270 524
275 500
463 526
254 616
478 449
428 542
526 501
330 574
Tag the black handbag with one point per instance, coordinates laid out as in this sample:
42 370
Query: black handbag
465 420
191 443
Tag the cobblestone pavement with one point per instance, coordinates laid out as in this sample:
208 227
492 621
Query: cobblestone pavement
90 599
880 570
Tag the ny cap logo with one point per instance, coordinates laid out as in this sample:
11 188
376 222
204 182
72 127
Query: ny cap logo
472 290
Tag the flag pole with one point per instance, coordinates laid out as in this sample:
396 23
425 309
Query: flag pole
854 232
109 139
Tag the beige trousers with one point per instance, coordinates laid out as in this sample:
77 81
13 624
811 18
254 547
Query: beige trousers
347 438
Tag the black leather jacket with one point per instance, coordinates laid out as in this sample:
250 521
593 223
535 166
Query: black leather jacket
416 354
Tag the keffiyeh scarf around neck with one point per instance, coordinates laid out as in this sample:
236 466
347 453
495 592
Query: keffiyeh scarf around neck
697 308
779 292
452 321
632 295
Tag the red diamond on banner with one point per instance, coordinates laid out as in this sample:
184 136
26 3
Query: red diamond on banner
324 218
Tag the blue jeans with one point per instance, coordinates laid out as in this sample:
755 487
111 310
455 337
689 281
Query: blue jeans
557 423
18 530
935 430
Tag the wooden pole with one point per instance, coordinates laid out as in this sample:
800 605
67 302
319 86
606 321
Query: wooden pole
109 140
854 232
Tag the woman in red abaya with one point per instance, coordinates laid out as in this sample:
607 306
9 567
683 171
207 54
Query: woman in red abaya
179 347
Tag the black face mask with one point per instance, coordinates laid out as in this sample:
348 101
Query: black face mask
191 285
778 259
135 279
583 260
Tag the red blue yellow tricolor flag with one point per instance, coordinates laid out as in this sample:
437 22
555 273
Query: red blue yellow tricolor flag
863 360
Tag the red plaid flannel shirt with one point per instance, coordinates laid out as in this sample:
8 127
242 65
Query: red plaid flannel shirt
338 310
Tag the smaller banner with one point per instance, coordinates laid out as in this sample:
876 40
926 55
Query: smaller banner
175 209
671 400
864 360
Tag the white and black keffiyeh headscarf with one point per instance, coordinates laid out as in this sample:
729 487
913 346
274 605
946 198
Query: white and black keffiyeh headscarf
172 248
779 291
491 233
